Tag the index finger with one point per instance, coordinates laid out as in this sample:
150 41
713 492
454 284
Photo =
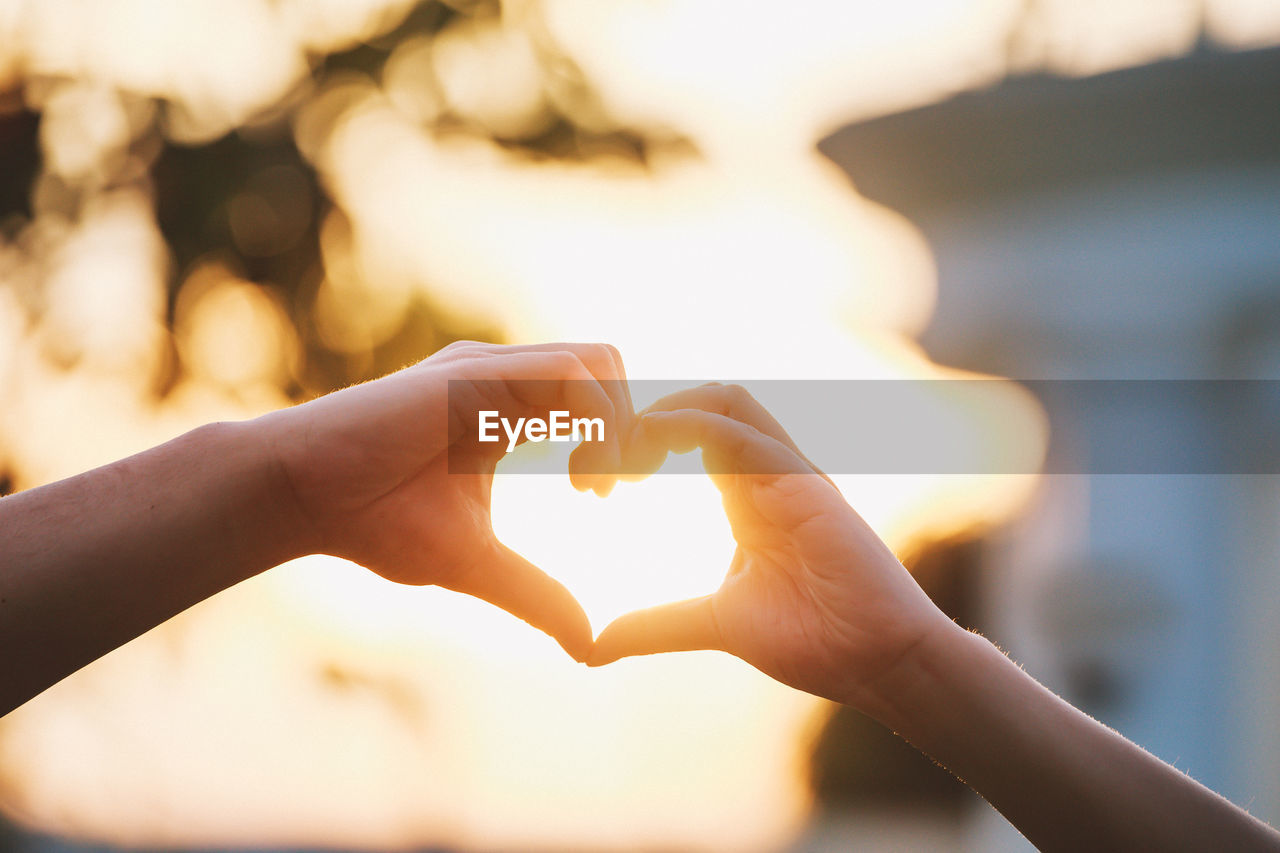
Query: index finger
736 402
728 446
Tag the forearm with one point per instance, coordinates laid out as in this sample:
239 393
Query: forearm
1064 780
88 563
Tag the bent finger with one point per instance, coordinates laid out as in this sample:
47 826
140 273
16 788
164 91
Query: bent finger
732 401
540 380
681 626
594 464
729 446
603 461
604 363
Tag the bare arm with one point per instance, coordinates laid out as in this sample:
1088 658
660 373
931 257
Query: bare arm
88 563
1066 781
91 562
816 600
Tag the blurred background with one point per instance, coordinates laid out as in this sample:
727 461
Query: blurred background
212 209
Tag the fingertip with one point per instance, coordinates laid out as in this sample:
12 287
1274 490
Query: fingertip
580 480
592 468
574 651
612 644
603 651
576 642
671 430
642 457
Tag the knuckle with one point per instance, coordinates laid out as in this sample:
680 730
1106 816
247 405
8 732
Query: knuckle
567 364
569 370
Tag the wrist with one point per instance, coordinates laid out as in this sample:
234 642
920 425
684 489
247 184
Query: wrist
267 513
905 696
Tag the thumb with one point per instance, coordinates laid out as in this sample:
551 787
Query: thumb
682 626
507 580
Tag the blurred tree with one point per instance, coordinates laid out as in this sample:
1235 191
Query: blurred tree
251 201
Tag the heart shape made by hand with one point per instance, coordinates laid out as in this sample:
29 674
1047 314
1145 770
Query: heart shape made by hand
648 543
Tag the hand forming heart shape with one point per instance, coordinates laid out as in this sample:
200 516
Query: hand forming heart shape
813 597
382 477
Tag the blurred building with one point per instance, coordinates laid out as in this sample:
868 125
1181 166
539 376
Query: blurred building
1125 225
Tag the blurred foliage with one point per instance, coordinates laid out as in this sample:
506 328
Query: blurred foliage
197 189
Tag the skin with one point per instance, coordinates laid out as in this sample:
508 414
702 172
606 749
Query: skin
89 563
385 474
816 600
